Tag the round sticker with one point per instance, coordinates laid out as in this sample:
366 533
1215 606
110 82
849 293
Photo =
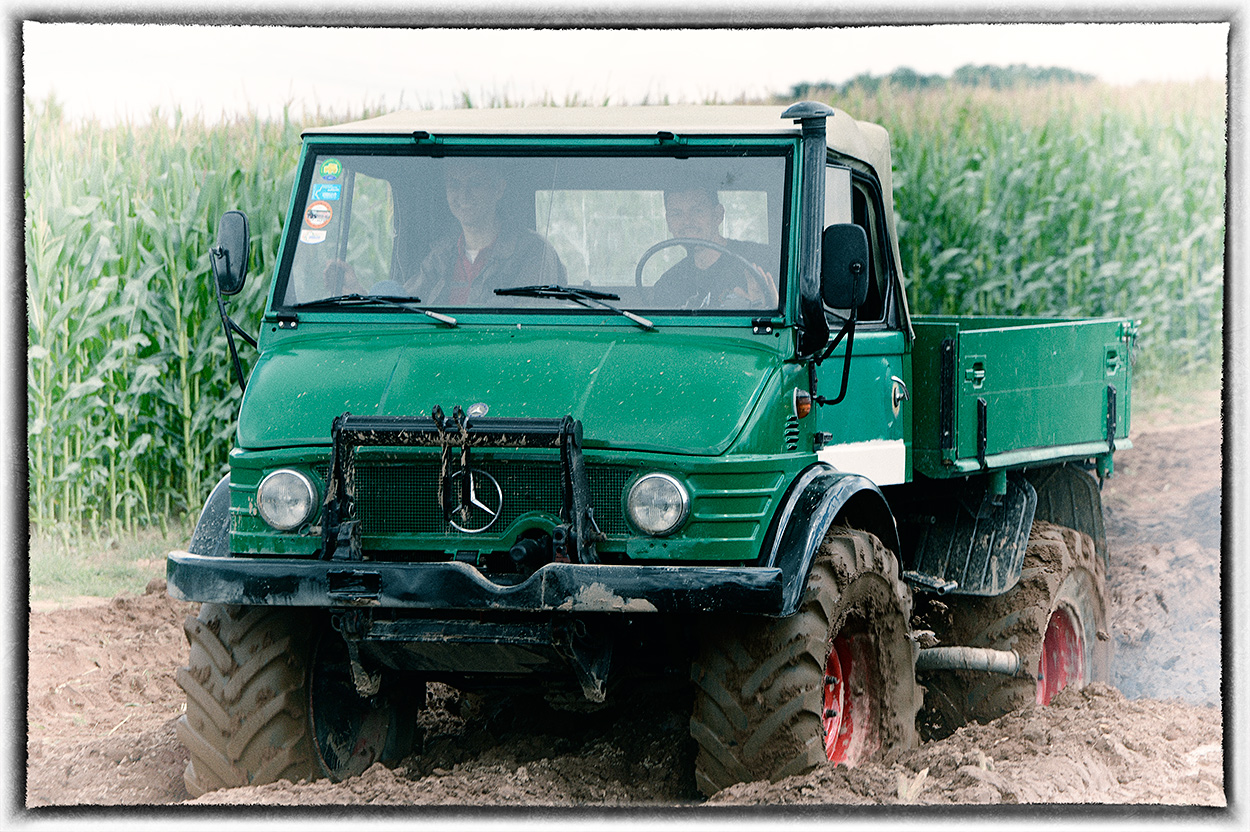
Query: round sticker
318 214
330 169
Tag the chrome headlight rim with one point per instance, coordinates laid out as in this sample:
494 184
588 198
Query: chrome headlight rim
682 492
309 487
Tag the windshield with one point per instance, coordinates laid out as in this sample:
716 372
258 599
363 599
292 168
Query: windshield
696 234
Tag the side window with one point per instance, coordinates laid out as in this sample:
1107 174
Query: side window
837 195
865 215
850 200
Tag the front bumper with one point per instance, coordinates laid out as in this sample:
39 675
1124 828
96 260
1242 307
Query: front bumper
454 586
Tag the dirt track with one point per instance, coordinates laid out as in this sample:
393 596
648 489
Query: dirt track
102 701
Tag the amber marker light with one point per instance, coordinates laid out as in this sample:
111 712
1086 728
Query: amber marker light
802 402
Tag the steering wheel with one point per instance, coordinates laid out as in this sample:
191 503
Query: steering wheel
688 241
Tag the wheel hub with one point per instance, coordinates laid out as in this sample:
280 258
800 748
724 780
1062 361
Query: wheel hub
848 715
1063 655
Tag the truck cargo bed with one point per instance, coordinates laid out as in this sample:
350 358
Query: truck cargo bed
998 393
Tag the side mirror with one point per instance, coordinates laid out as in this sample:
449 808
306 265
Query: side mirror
229 256
844 266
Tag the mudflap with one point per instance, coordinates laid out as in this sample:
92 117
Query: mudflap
967 540
1068 496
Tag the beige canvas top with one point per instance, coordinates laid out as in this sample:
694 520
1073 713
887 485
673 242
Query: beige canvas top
844 134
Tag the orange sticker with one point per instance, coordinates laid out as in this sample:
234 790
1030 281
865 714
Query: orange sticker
318 214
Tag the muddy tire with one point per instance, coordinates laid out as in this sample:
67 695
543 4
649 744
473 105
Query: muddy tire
252 687
1055 619
834 681
247 698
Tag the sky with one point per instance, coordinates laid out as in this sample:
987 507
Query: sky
121 71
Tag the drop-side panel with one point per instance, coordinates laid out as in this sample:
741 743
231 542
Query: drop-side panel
1009 392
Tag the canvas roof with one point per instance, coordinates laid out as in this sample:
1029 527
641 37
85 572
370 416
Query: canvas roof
844 134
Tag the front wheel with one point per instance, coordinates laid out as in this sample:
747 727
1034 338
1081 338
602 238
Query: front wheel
833 682
270 697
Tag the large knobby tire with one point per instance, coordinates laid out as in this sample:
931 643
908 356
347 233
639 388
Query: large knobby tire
247 698
1055 619
270 697
835 681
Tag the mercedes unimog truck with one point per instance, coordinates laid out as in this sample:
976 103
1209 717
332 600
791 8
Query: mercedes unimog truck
579 399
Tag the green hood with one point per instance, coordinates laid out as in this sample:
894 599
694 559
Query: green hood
649 391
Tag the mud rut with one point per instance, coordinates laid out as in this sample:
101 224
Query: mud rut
102 702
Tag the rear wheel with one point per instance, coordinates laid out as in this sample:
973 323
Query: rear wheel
834 682
266 701
1055 619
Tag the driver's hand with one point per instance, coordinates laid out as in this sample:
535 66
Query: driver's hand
761 289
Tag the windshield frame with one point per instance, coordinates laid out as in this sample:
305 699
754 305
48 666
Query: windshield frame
721 145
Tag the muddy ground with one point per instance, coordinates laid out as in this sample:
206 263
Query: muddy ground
103 702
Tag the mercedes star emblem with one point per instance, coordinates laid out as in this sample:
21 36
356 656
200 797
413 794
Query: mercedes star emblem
479 502
477 410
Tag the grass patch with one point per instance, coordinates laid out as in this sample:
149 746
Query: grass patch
63 567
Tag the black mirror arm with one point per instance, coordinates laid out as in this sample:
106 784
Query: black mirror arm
242 334
229 325
848 332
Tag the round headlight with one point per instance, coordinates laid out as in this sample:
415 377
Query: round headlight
286 499
657 504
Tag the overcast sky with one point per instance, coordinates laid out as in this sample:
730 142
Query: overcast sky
122 71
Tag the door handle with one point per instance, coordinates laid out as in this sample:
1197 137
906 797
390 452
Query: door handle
898 393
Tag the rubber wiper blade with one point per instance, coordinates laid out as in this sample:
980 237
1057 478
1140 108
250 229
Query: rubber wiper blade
579 295
404 302
552 290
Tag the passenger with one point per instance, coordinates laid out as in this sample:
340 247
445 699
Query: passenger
707 278
465 268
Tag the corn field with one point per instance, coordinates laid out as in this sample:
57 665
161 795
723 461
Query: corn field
129 398
1066 200
1082 200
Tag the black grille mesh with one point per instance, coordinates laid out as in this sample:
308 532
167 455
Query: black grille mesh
402 498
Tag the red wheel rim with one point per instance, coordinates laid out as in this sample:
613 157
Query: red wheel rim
847 713
1063 655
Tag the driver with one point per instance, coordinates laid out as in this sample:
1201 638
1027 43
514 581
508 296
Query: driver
707 278
487 253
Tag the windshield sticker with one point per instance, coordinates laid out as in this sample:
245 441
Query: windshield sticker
330 169
318 215
311 236
330 193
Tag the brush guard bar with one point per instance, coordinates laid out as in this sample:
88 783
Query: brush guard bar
340 528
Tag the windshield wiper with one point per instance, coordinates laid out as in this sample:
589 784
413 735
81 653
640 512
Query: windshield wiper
583 296
398 301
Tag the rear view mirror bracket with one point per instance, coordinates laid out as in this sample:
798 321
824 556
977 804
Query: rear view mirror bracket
229 263
843 285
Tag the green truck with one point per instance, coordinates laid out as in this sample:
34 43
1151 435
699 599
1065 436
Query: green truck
586 400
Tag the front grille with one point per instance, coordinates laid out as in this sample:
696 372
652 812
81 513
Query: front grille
402 498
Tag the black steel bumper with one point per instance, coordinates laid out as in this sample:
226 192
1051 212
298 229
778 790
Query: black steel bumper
453 586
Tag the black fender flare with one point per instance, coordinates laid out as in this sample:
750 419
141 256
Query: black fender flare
212 531
816 499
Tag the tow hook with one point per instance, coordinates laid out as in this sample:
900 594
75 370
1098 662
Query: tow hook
588 650
352 625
